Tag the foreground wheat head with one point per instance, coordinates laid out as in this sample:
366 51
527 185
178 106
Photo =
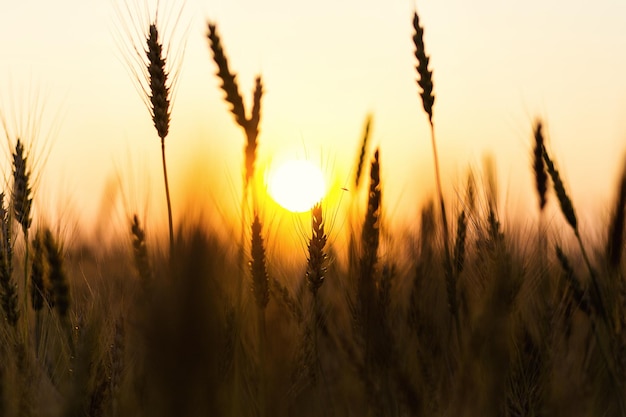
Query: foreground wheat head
539 169
22 198
155 68
8 294
316 262
160 105
258 269
158 81
426 76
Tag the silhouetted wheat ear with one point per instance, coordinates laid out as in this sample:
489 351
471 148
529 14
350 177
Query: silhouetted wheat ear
252 129
37 288
316 262
426 76
159 90
8 296
566 204
361 158
615 243
22 200
260 280
541 178
229 80
574 283
371 226
140 250
58 280
459 245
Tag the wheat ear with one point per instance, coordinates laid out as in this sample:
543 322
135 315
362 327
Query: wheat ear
371 227
258 269
565 202
37 288
229 80
426 76
615 243
539 167
58 279
316 262
8 297
573 281
233 97
567 209
364 142
140 250
459 245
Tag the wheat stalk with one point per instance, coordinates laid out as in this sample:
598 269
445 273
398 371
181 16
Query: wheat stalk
160 98
425 82
155 71
36 275
37 288
260 289
22 204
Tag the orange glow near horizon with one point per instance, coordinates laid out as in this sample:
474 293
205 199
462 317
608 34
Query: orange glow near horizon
325 66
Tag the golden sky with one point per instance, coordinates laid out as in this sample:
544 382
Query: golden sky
325 65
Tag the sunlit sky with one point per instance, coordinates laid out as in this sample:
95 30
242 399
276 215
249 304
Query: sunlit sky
325 65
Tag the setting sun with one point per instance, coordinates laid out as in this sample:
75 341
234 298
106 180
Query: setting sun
296 185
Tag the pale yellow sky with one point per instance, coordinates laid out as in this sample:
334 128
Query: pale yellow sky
325 65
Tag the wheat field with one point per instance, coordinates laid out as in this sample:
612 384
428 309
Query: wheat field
466 314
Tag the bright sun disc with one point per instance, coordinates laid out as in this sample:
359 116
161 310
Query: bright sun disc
296 185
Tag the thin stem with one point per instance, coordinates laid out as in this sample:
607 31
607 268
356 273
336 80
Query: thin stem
262 351
446 239
167 195
25 312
